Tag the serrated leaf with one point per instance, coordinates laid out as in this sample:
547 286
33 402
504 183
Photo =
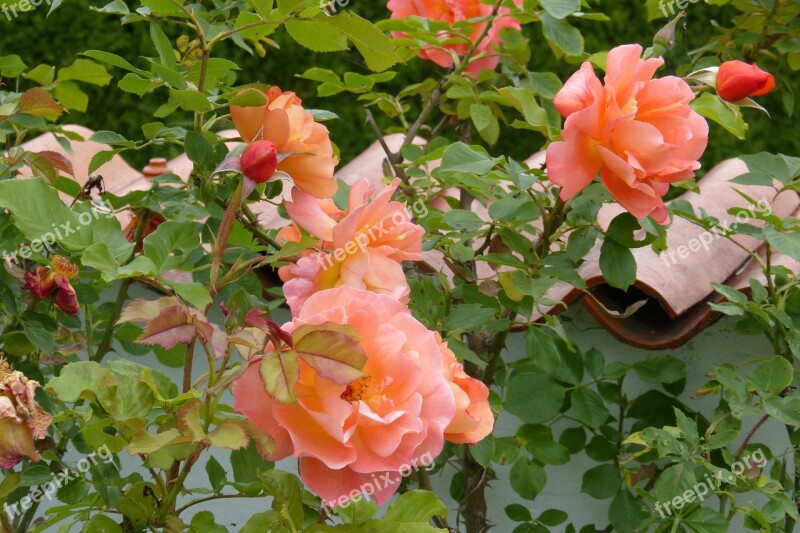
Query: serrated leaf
316 35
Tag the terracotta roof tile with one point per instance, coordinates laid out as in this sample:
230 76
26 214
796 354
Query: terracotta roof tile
676 285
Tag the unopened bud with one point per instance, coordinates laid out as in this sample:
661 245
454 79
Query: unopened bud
259 161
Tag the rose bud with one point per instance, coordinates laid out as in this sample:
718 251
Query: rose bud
737 80
259 161
21 418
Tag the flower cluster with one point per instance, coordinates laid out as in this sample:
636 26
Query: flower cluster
639 133
411 395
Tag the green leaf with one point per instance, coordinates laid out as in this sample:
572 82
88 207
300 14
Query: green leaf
468 317
541 349
261 522
229 435
100 523
626 512
561 8
189 100
199 150
416 506
316 36
463 220
38 211
163 45
113 60
376 47
71 96
727 115
483 451
785 243
527 478
674 481
146 442
459 157
131 83
562 35
131 399
12 66
534 408
588 407
705 520
168 246
280 372
771 377
41 74
77 378
660 369
601 481
617 265
85 71
195 293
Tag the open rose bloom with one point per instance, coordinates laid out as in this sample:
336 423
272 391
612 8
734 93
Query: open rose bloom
306 144
362 247
360 438
452 11
21 418
638 133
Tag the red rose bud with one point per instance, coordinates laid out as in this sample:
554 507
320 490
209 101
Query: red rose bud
259 161
737 80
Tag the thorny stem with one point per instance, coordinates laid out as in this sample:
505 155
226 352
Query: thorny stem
473 506
224 232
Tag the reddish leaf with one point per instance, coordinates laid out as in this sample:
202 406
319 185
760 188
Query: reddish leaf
41 166
145 310
39 103
332 350
171 327
60 161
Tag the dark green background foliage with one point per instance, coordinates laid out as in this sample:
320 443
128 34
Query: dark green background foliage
73 28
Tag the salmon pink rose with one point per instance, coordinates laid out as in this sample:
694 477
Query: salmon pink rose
359 437
304 146
452 11
474 419
639 133
362 247
737 80
368 270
